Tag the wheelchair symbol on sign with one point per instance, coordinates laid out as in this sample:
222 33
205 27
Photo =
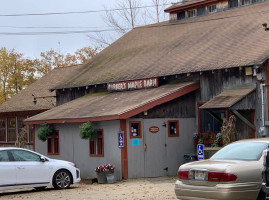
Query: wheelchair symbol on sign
200 151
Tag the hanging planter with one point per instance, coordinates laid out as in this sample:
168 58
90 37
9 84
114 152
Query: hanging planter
87 131
44 132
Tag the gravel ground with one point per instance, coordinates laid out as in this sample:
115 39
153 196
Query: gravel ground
134 189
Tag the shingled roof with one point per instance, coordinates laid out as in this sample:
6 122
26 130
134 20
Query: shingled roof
111 106
23 101
221 40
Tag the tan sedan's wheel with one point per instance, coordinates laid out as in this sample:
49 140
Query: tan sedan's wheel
61 179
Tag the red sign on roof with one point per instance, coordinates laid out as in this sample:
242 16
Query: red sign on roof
133 85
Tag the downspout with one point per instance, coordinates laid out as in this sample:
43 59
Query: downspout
262 129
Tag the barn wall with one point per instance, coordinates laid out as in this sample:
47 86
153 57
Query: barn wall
75 149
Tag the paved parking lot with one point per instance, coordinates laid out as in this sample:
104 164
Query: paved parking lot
134 189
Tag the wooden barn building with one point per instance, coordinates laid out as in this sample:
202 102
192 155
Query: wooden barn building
152 91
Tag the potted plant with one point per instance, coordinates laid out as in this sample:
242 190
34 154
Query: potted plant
44 132
87 131
105 173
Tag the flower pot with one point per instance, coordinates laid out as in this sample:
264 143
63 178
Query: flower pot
110 178
101 177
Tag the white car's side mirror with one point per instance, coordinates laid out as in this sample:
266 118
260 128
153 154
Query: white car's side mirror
43 159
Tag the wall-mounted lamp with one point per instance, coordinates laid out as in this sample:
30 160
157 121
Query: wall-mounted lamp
35 99
164 124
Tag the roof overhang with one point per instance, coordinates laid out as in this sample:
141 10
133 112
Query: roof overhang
193 5
227 98
113 106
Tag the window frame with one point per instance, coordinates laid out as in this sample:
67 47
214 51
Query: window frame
199 9
177 128
11 128
210 8
179 15
4 129
54 143
98 151
245 2
233 4
193 11
30 130
139 129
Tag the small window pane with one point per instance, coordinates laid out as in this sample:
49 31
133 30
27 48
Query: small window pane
232 3
172 128
181 15
31 134
201 11
4 156
212 8
135 129
92 147
11 129
245 2
2 130
191 13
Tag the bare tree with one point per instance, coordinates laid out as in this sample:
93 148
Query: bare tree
128 15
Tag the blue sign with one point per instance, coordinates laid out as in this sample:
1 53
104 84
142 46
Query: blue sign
135 142
200 151
121 140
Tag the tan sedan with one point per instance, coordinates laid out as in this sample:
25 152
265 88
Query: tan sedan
233 173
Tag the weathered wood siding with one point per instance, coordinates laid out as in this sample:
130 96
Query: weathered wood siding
66 95
182 107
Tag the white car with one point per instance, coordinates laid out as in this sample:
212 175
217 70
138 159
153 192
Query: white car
22 168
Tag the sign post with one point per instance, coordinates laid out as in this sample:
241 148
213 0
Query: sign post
200 151
121 140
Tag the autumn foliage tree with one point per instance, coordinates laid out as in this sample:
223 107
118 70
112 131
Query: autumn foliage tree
16 71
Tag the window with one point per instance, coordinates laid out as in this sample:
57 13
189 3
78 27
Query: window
212 8
191 13
31 131
210 121
201 11
2 130
11 136
245 2
4 156
232 3
97 146
135 129
181 15
255 1
20 155
53 143
173 128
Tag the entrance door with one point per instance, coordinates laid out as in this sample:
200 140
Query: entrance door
155 148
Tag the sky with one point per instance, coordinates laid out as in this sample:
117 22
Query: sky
32 45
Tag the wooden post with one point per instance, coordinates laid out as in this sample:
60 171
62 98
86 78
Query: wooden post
124 152
267 89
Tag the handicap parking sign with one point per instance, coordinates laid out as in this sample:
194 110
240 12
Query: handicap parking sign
121 139
200 151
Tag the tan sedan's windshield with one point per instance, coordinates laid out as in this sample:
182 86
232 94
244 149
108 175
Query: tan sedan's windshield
241 151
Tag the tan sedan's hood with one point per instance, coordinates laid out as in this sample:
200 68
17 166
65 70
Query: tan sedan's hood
212 165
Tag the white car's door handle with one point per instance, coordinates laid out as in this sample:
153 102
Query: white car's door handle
20 167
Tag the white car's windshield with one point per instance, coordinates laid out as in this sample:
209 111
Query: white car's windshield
241 151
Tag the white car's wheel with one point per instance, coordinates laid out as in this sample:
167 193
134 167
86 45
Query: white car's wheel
62 179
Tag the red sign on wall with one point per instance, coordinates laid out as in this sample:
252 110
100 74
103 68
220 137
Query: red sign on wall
154 129
133 85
